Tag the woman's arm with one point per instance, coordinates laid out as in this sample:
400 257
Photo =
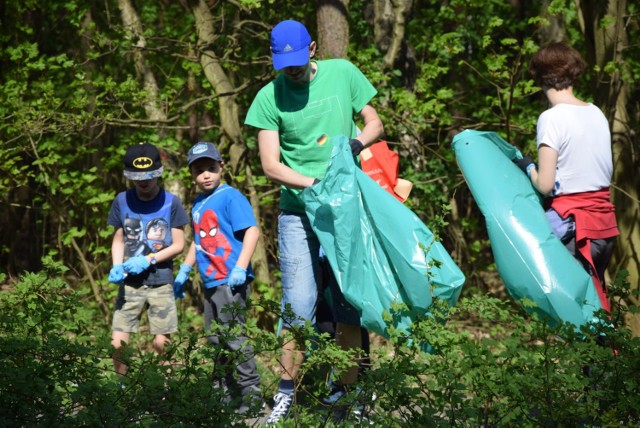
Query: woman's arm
544 176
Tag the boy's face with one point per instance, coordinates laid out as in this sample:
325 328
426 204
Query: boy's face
206 172
146 188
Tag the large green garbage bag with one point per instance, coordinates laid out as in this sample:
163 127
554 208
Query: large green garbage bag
380 251
531 260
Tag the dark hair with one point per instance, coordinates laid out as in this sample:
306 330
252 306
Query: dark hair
557 66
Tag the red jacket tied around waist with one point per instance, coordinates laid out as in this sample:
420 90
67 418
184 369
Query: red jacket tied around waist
595 218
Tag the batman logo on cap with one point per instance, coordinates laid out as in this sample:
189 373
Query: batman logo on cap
142 162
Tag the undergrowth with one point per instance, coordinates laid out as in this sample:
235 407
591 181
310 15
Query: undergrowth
56 369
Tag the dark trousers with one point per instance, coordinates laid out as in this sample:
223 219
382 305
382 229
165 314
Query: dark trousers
216 299
601 250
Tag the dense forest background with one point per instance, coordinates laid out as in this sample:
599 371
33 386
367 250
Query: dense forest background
82 80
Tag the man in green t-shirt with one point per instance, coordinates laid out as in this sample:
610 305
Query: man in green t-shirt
297 115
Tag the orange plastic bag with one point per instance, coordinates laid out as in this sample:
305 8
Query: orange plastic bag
381 163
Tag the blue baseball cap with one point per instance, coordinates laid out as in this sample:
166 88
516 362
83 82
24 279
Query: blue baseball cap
290 42
203 150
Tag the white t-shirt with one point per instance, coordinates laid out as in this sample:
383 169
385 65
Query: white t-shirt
581 136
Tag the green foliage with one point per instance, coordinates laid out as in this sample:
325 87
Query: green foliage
72 100
45 332
490 365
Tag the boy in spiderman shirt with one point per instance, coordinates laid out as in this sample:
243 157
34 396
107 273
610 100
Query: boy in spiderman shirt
225 237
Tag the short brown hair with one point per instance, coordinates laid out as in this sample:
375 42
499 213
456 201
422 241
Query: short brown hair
557 66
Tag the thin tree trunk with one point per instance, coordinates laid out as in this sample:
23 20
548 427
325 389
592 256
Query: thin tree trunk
607 44
390 26
135 33
229 118
152 105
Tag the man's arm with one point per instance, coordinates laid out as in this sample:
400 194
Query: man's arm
373 129
269 145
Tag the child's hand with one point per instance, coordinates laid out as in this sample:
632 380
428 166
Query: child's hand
116 275
237 277
181 278
136 265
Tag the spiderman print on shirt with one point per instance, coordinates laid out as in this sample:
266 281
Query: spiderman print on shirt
214 244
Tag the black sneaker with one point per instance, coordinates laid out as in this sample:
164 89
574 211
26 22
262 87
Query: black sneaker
281 406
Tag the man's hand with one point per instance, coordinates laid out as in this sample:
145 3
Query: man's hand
526 164
136 265
116 274
181 279
356 146
237 277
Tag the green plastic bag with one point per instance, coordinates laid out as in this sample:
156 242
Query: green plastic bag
531 260
381 253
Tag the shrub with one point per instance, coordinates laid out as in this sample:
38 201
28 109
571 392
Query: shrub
490 365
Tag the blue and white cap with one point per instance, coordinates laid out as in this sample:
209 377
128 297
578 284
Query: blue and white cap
203 150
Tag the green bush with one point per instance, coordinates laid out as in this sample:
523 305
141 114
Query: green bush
490 365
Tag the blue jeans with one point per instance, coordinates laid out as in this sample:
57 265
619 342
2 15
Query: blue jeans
302 272
300 267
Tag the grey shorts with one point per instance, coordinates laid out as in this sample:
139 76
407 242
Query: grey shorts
131 301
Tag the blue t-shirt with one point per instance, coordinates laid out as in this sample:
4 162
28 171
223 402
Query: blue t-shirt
220 219
147 229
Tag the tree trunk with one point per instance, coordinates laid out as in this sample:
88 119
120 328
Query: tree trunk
152 104
389 28
133 27
606 45
229 119
333 28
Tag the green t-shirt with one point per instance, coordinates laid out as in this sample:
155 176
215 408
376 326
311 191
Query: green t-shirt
308 116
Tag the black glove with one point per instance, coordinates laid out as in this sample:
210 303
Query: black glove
525 164
356 146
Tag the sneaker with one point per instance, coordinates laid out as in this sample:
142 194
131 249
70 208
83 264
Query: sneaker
356 409
221 391
281 406
336 392
359 414
251 403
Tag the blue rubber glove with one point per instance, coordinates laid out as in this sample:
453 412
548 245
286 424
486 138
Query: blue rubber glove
526 164
136 265
237 277
116 274
356 146
181 279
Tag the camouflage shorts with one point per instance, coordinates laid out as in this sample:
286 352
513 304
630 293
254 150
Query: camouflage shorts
131 301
